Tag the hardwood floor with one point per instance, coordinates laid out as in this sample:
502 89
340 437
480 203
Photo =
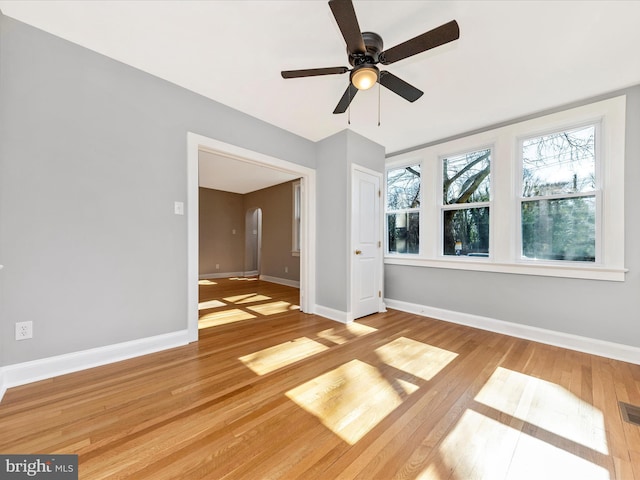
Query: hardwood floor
270 392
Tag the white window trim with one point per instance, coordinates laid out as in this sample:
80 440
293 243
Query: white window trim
297 207
505 184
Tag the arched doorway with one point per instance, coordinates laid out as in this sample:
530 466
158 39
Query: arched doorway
253 241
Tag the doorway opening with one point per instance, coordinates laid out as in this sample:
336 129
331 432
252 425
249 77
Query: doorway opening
250 159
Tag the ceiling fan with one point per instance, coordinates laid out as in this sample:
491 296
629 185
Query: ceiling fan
365 52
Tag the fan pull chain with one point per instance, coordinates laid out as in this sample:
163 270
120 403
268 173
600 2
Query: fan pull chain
349 107
378 103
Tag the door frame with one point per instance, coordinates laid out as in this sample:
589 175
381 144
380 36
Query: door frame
381 219
195 143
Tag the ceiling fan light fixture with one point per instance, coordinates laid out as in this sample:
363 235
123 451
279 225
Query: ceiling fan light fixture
364 77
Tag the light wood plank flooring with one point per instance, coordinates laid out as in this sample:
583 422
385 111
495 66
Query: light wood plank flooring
269 392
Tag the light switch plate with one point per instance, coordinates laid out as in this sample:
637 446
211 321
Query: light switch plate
178 208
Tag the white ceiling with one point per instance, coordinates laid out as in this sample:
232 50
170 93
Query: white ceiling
219 172
513 58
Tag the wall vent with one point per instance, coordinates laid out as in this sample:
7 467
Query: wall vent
630 413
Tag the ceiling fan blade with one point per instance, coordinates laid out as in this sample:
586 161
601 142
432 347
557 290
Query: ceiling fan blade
345 16
433 38
313 72
399 86
344 102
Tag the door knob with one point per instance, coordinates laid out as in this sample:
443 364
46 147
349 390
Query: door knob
358 252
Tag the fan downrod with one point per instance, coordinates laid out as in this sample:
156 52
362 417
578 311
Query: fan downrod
373 45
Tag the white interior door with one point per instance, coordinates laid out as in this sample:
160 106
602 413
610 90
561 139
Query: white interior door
366 253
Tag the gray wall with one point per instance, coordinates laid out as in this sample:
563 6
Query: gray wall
220 214
332 172
277 227
598 309
93 155
336 155
364 152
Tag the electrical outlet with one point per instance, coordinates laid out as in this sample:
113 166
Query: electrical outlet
24 330
286 269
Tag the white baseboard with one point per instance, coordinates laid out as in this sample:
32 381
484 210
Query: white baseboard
331 314
207 276
280 281
27 372
616 351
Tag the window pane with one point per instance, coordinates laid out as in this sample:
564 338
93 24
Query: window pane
563 162
403 188
560 229
466 232
465 178
403 230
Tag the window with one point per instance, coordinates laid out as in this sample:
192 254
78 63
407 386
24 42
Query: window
297 207
403 210
558 207
465 203
540 197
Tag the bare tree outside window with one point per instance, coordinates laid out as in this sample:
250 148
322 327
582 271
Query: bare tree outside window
558 203
403 215
558 208
465 199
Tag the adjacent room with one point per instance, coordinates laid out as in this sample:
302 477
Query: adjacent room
320 239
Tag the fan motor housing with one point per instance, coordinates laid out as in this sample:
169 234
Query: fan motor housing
373 44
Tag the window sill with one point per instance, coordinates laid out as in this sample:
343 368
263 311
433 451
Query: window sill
585 272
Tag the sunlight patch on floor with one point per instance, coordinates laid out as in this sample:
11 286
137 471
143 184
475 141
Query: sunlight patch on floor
224 317
526 428
430 473
206 282
351 399
279 356
417 358
344 333
545 405
526 463
246 298
273 308
245 279
211 304
480 448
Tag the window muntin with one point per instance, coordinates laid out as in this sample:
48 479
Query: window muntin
465 203
558 207
403 209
